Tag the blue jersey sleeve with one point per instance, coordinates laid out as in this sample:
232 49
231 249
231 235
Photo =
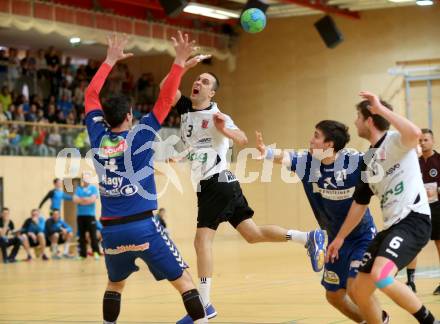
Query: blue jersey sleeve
143 134
67 196
66 226
96 127
299 162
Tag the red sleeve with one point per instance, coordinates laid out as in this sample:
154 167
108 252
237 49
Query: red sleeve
167 93
95 86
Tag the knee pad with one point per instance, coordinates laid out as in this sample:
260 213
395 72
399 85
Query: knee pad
385 278
111 306
193 304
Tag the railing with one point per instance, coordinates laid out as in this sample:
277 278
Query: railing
42 139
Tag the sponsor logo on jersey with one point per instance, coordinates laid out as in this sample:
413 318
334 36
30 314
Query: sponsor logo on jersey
205 123
129 190
200 157
115 182
126 248
331 277
332 194
112 147
391 170
433 173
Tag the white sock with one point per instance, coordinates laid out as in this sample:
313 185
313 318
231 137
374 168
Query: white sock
66 248
297 236
201 321
105 322
205 290
54 249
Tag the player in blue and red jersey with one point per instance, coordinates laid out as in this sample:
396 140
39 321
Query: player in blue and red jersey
123 158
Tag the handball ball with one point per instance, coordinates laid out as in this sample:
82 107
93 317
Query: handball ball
253 20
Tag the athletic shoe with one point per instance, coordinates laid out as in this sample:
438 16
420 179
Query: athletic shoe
385 317
68 256
29 258
12 260
96 256
44 257
210 313
56 257
315 249
412 285
437 291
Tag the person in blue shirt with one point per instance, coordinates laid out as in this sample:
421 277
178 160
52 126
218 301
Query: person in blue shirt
58 232
56 195
123 159
32 234
329 174
85 197
8 237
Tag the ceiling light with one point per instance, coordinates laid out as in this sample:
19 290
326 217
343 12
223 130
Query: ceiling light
75 40
424 2
210 11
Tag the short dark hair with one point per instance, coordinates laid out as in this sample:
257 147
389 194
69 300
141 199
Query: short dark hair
55 180
335 132
379 122
216 85
53 211
427 131
116 108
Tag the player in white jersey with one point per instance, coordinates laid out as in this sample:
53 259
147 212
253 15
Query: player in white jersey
206 133
393 175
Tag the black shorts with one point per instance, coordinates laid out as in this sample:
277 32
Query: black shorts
33 243
435 220
400 243
220 199
61 240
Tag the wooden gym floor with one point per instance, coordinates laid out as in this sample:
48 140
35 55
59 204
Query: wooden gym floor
264 283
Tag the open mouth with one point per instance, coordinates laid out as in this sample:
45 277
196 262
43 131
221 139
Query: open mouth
195 91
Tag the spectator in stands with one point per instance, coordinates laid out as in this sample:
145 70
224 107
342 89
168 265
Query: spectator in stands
32 234
61 118
19 114
14 140
4 62
65 105
10 112
40 116
78 96
40 61
51 113
8 237
39 141
5 96
31 116
26 141
13 69
85 196
58 232
4 139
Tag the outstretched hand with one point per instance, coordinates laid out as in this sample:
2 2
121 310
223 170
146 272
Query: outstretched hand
115 51
183 47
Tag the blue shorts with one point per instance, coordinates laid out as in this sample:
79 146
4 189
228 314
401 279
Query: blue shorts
144 239
346 266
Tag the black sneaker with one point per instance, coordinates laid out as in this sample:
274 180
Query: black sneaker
385 317
437 290
412 285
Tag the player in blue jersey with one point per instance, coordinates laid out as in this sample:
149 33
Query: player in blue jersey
329 174
123 159
85 197
58 232
56 195
32 234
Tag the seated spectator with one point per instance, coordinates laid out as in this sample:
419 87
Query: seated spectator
51 113
32 234
31 116
4 139
26 142
14 140
65 105
5 97
58 232
3 69
8 237
54 141
39 141
65 92
61 118
10 112
40 116
19 114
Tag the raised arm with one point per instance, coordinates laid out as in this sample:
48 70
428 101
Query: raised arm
170 86
115 53
409 132
188 65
